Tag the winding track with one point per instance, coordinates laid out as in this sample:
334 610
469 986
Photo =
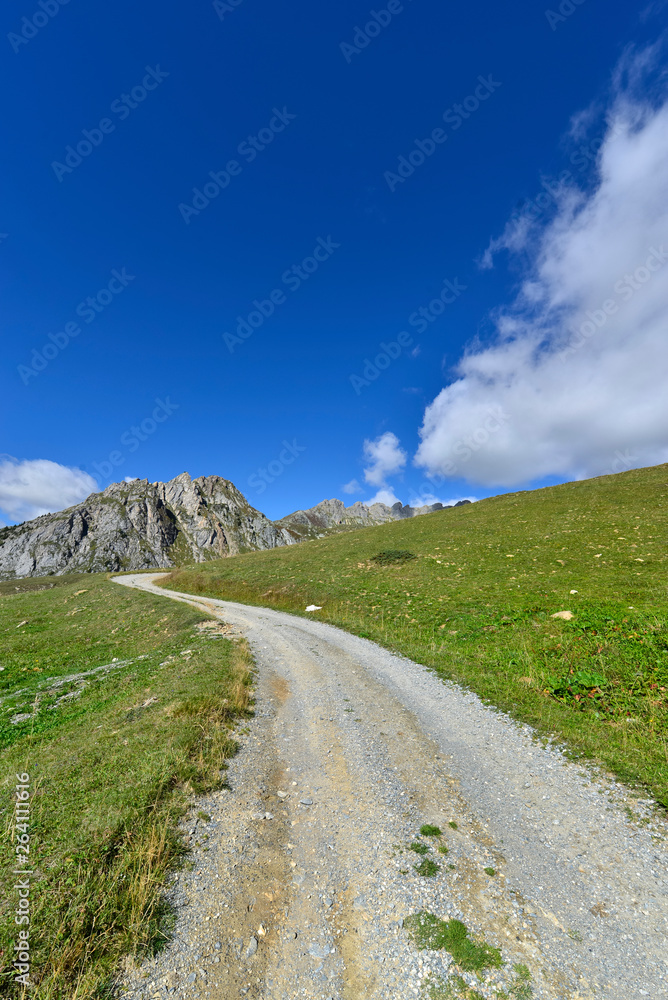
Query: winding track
580 897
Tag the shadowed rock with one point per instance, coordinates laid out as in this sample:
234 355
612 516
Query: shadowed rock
140 525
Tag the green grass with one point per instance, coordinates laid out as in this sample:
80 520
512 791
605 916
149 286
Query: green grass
34 583
112 766
454 989
427 830
520 988
477 604
427 868
389 557
419 848
490 871
428 931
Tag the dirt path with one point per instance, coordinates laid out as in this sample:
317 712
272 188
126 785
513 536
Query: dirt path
303 873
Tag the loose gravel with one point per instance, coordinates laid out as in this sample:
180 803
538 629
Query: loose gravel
302 875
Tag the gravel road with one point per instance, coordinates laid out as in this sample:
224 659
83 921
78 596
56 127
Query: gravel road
303 875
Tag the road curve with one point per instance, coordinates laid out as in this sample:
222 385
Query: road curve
364 747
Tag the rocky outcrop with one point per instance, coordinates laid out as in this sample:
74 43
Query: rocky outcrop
140 525
333 515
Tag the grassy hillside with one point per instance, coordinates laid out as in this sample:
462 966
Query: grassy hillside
118 708
476 604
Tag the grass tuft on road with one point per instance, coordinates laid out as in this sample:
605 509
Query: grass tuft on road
427 868
428 931
120 710
477 604
455 989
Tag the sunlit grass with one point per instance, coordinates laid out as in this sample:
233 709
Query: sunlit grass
477 605
112 767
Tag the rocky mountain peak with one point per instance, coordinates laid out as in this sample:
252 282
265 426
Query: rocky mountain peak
330 515
140 525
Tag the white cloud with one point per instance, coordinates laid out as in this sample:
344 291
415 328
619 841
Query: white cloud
31 488
451 503
424 500
385 496
574 383
427 499
385 457
352 487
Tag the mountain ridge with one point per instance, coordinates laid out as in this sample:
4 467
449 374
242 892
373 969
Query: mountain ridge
333 515
139 525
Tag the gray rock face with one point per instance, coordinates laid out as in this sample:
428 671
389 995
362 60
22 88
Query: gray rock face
140 525
333 515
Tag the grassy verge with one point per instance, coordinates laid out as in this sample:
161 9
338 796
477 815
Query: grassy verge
476 604
119 709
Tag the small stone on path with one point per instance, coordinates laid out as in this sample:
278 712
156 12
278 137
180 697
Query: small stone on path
252 947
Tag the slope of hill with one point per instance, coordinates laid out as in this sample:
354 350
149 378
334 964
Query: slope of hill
333 515
473 593
140 525
79 658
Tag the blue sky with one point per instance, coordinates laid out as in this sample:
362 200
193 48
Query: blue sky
307 115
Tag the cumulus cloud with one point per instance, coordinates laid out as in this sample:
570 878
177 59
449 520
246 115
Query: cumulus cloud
385 457
34 487
352 487
456 500
385 496
428 499
573 384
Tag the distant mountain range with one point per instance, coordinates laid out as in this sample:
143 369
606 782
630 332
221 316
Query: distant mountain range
141 525
333 515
